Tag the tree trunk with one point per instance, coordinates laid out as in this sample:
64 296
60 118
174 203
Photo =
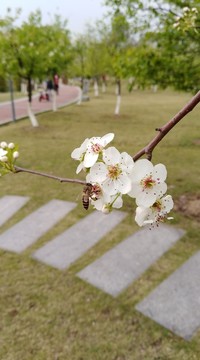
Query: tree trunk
96 88
118 93
103 83
31 115
103 87
29 89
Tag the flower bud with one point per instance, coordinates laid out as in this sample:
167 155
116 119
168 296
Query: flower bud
105 209
195 10
11 146
4 159
3 145
15 154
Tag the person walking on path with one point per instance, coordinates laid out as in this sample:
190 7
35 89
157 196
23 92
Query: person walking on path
49 88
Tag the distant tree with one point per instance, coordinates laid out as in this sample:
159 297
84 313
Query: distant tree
33 50
116 39
168 42
79 63
89 53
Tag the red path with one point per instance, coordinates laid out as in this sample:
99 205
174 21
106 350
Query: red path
67 95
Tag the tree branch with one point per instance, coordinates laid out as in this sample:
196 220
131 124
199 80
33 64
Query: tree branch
62 180
167 127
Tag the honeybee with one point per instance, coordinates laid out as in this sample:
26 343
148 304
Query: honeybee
87 192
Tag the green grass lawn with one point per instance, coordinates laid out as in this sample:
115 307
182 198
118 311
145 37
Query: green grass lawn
48 314
6 96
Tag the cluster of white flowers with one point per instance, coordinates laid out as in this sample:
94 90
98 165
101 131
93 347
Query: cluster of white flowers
8 155
187 20
113 174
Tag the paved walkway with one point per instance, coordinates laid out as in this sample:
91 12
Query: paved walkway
174 304
67 95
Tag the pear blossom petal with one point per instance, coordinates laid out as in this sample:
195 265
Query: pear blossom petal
145 199
113 186
79 168
141 215
106 139
135 190
124 183
97 173
3 152
141 169
111 156
93 140
160 189
148 197
160 172
78 152
90 159
168 203
98 204
110 186
126 162
118 203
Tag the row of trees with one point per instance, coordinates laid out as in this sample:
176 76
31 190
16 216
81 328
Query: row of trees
167 41
150 42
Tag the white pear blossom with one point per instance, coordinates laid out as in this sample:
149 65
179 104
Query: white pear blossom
78 154
3 156
98 196
104 202
155 213
100 200
95 146
148 182
90 150
108 202
114 173
116 202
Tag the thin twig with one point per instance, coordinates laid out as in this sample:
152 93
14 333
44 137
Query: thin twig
60 179
167 127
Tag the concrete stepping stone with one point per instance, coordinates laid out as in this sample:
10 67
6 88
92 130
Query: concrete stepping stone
32 227
67 247
9 205
120 266
175 303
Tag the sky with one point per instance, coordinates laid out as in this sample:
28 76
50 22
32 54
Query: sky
77 12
